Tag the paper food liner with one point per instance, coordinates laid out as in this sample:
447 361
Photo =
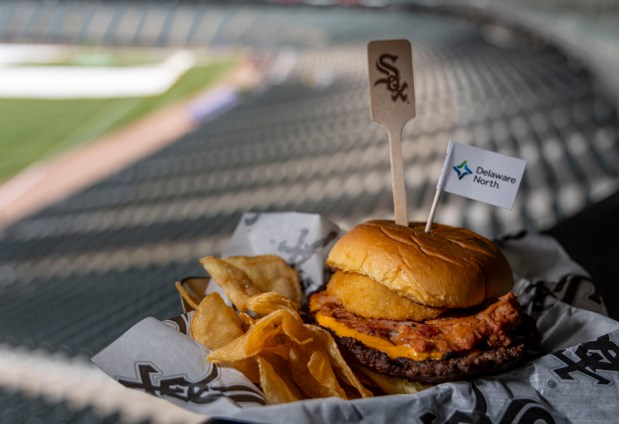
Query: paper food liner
576 381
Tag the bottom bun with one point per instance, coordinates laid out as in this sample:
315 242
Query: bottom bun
394 385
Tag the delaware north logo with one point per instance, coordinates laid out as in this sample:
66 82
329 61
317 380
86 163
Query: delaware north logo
462 170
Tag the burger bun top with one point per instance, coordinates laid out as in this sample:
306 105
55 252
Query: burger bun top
448 267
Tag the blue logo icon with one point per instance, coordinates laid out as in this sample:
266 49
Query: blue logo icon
462 170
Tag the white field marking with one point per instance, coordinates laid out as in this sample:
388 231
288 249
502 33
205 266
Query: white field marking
11 54
80 384
64 82
55 179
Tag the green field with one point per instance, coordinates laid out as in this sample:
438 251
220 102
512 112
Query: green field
33 129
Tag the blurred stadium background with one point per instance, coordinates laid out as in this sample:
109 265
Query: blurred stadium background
533 79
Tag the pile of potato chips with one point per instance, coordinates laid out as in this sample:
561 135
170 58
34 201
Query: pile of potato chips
265 337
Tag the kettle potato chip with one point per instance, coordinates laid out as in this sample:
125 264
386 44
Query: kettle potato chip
233 281
191 300
343 370
267 339
265 303
313 362
269 273
277 388
214 323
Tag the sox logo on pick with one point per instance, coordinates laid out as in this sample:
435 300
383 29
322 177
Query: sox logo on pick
481 175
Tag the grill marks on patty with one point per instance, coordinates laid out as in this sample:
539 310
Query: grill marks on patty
489 328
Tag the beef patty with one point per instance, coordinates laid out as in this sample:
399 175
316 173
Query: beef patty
451 367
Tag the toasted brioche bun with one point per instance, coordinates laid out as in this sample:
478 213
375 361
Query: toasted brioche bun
448 267
394 385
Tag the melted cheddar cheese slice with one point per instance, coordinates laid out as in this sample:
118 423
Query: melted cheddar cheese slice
374 342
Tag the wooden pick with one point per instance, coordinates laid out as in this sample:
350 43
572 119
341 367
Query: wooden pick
392 104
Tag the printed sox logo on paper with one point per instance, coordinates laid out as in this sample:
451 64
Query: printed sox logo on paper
523 410
392 80
592 357
301 250
179 387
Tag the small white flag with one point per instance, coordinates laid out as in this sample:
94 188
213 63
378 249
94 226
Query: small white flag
481 175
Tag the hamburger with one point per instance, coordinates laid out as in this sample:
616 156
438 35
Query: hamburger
410 309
